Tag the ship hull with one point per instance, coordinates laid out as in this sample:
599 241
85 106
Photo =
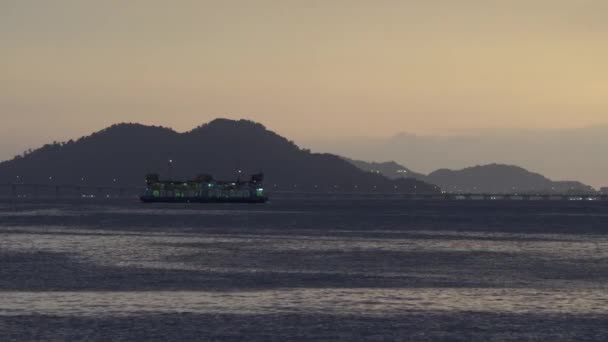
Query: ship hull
149 199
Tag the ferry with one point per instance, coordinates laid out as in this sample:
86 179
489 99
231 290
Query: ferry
204 189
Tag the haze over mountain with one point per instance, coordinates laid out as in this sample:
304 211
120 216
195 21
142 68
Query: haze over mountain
559 154
124 153
390 169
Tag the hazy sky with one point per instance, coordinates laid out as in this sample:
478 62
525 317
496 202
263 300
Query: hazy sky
307 69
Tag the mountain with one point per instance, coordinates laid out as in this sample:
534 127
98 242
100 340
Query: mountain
576 153
122 154
390 169
500 178
491 178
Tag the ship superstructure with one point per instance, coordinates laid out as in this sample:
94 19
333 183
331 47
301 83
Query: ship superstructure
204 189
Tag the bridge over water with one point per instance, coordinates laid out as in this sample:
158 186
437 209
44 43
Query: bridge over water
33 190
25 190
443 196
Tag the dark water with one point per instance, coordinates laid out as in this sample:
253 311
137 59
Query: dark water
304 270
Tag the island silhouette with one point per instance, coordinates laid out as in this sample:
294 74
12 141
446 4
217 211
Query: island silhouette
123 154
489 178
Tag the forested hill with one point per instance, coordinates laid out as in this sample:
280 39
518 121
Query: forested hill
122 154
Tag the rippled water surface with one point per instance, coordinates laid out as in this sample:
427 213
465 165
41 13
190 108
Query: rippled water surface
330 270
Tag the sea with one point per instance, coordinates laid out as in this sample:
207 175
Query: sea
303 269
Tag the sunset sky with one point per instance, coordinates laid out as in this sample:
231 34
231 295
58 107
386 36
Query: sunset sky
306 69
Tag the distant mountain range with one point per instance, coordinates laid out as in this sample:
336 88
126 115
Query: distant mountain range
491 178
558 154
124 153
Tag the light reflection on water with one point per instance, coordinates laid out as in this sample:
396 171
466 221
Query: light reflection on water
37 212
327 301
142 211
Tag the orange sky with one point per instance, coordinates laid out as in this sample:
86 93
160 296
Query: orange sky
307 69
